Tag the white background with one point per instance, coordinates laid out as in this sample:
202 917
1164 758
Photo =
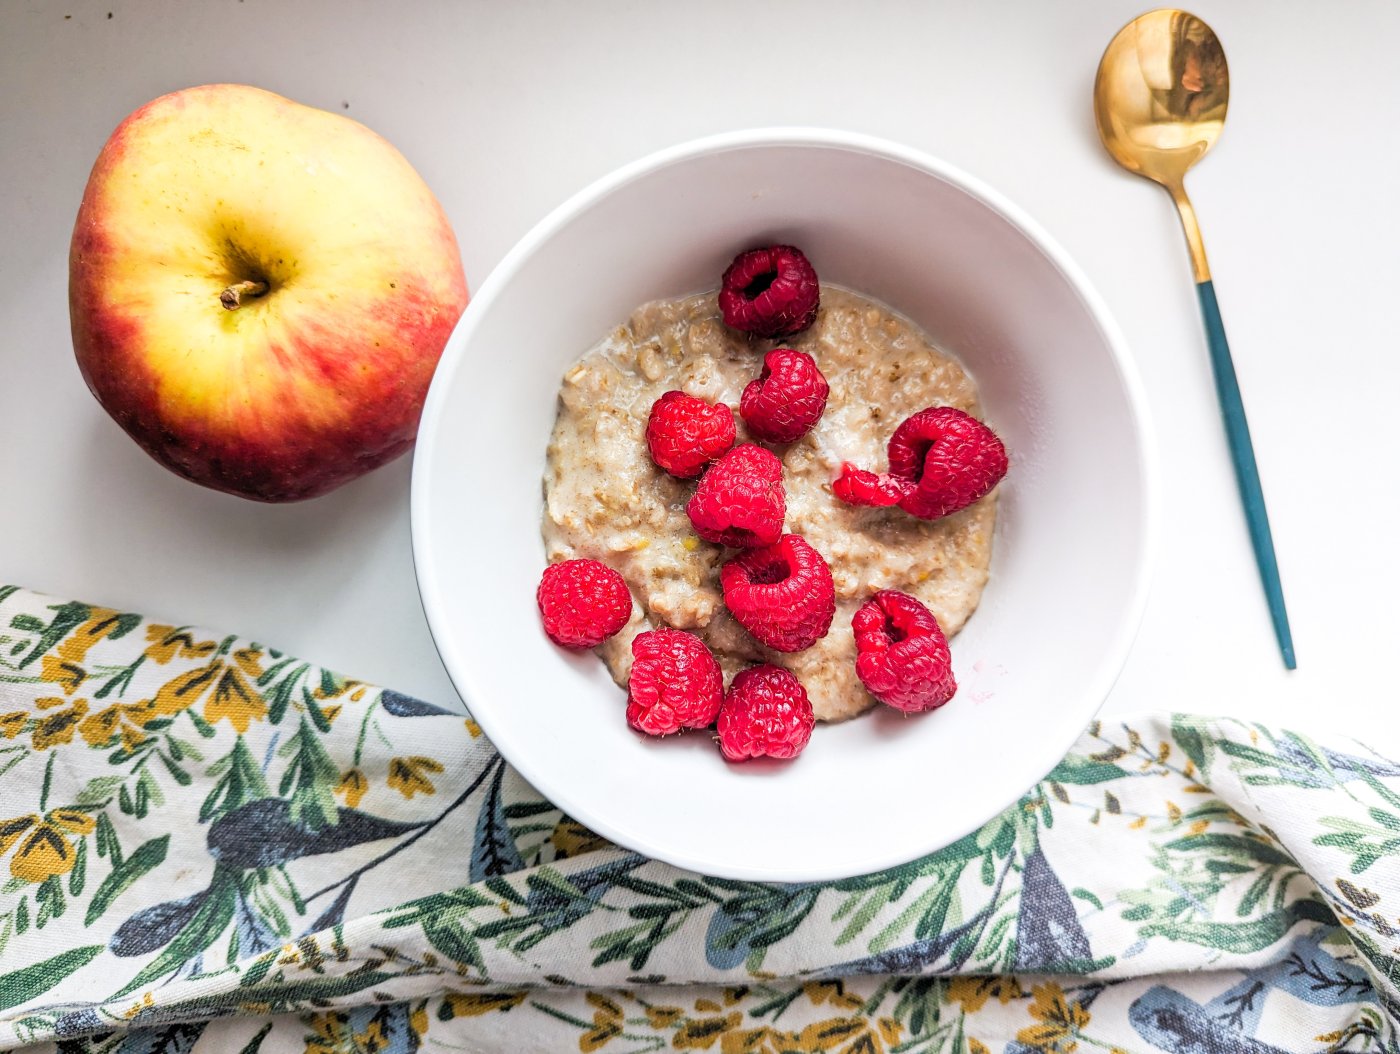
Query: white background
506 109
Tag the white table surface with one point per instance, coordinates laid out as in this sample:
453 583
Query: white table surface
506 109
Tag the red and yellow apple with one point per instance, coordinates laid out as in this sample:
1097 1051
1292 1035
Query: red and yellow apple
260 290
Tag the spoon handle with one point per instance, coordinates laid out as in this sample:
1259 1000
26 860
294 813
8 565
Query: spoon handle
1227 387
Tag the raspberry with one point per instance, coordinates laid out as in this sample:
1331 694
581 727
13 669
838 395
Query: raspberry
782 594
765 714
685 434
582 602
901 654
740 500
770 292
954 458
941 460
676 683
787 399
858 486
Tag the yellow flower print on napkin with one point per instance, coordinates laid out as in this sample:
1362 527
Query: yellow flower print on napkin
701 1033
848 1035
128 720
571 838
339 686
973 992
607 1023
1060 1020
761 1040
45 853
229 695
235 700
249 662
352 786
166 642
58 728
328 1032
406 775
64 665
98 729
183 691
475 1004
101 623
664 1016
45 850
11 830
67 675
372 1037
833 992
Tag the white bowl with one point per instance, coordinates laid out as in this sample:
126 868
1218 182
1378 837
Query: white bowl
1074 527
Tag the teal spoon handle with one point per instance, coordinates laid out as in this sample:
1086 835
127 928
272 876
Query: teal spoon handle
1227 387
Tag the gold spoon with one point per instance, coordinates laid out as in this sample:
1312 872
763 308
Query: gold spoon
1159 102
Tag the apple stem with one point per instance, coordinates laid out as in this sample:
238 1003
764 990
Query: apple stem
232 297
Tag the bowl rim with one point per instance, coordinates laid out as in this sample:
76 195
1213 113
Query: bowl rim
1097 685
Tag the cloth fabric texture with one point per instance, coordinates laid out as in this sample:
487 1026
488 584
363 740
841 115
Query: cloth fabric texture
209 845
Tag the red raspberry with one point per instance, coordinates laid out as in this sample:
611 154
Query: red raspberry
676 683
782 594
582 602
858 486
902 656
787 399
770 292
740 501
765 714
941 460
953 457
685 434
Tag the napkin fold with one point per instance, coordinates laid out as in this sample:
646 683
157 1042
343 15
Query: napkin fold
211 845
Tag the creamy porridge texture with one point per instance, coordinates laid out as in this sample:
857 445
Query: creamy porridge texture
605 499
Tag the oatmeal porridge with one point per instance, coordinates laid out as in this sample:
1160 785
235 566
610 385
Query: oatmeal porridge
604 498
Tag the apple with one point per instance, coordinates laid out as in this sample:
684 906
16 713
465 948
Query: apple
260 290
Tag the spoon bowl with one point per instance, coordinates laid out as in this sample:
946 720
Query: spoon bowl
1161 94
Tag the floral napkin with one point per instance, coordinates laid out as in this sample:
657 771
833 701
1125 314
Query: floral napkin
209 845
